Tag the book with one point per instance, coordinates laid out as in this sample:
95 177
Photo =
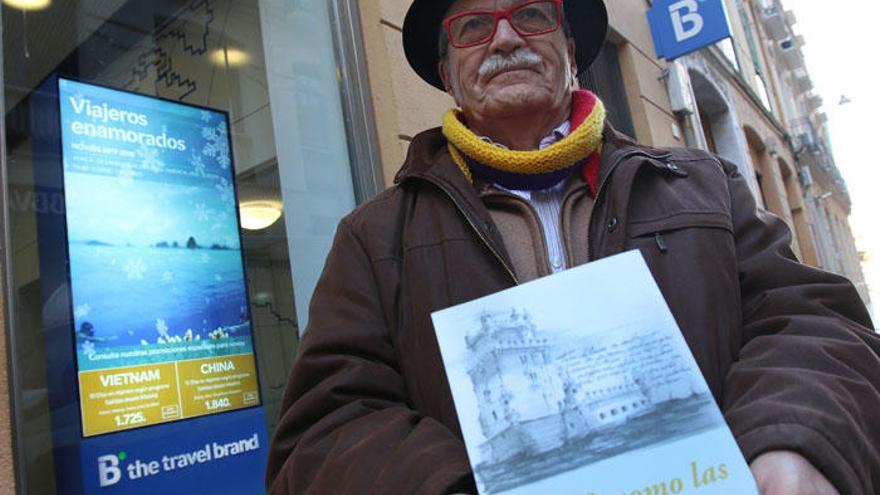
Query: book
582 383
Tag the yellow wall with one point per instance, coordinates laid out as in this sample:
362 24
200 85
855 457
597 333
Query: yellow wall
642 73
7 476
403 104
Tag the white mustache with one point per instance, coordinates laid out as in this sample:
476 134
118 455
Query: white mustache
521 58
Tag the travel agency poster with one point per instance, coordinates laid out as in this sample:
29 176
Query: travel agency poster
160 316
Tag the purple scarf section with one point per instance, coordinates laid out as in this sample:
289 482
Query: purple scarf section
520 182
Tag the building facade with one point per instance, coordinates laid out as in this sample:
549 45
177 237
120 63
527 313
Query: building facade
321 107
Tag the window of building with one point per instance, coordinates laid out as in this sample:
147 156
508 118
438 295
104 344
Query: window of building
758 65
763 95
728 49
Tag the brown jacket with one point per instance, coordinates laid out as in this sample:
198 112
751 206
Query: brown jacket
786 349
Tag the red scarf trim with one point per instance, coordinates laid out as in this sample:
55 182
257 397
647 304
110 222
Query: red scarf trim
582 103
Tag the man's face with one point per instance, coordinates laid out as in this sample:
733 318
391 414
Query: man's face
484 83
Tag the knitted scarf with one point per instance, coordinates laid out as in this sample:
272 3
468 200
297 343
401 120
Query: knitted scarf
539 169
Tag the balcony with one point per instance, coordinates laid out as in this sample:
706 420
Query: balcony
791 53
814 102
802 81
775 24
804 135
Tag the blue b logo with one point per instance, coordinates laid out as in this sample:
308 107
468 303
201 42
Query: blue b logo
685 12
682 26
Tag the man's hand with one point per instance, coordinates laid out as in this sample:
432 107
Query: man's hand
782 472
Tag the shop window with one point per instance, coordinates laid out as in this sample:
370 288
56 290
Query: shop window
248 91
728 49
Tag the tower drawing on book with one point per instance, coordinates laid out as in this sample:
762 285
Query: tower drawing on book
554 404
565 385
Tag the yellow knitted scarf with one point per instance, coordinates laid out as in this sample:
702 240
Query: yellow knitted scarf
587 121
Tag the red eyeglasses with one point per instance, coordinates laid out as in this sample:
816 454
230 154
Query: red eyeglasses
472 28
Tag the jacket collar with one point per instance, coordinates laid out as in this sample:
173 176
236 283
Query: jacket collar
618 146
428 160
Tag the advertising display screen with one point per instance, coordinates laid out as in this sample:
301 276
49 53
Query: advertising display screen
160 317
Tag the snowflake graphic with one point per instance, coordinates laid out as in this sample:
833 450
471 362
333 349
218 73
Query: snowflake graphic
150 159
134 269
226 193
202 212
206 116
217 145
126 173
167 276
88 348
82 311
161 327
198 164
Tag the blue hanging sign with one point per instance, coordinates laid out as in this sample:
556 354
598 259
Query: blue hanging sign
680 27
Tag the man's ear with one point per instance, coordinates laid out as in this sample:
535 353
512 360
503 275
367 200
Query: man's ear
443 69
446 77
572 61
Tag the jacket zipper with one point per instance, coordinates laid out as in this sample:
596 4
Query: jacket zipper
567 250
473 226
545 242
601 189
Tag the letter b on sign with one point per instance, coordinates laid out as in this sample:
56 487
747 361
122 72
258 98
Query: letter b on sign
680 27
686 20
108 470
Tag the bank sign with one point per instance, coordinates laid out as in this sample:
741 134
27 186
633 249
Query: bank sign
680 27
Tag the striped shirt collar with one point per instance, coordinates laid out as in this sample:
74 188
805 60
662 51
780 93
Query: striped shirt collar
558 134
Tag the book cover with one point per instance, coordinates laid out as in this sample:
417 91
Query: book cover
581 383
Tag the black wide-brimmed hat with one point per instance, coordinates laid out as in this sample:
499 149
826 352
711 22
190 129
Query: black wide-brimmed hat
421 30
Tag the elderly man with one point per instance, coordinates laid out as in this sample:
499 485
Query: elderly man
524 180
